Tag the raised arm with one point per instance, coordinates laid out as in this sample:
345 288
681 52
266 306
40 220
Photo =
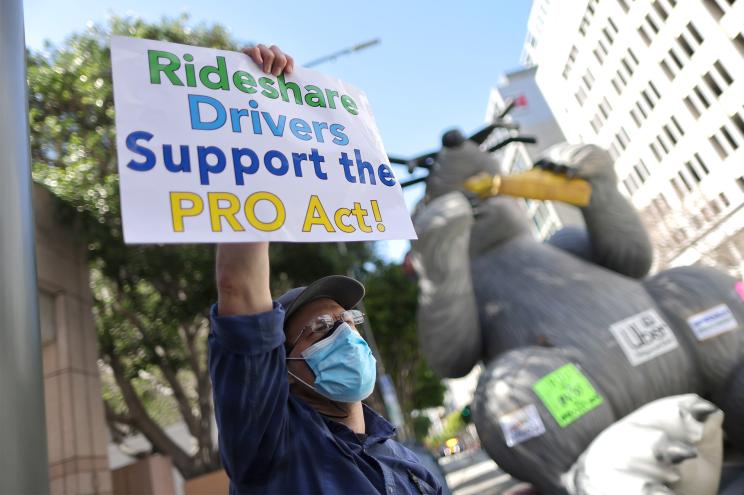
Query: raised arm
243 279
243 269
246 355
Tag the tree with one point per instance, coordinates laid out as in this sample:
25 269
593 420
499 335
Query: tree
151 302
391 303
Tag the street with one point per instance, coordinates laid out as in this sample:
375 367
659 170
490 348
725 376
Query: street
473 472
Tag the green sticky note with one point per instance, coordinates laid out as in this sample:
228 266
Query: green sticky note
567 394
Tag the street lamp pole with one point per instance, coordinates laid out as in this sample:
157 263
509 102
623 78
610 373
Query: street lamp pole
340 53
24 467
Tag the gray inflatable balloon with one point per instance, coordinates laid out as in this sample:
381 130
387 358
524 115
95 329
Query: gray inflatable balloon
491 293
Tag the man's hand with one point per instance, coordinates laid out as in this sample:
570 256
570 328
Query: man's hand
271 59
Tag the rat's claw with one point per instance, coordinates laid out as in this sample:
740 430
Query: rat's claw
700 410
656 489
674 452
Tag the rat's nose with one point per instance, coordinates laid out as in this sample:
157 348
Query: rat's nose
452 138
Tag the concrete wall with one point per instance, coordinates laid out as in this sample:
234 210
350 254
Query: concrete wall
76 428
149 476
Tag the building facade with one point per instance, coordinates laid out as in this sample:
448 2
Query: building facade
75 420
661 85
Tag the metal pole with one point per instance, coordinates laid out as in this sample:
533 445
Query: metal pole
23 466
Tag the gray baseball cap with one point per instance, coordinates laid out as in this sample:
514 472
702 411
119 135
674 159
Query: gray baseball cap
346 291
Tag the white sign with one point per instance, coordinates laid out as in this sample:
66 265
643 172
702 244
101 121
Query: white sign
644 336
712 322
211 149
521 425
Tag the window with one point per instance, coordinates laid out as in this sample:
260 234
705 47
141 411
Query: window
667 70
649 102
612 25
640 109
598 56
669 134
635 117
653 88
676 188
580 96
603 111
729 137
739 43
595 126
685 45
623 5
679 127
647 40
607 104
651 24
675 59
643 167
695 34
712 84
738 122
691 107
587 82
684 181
607 36
723 72
655 151
701 163
621 77
622 142
616 85
724 199
715 10
718 147
702 98
692 171
660 10
661 143
602 46
632 56
627 67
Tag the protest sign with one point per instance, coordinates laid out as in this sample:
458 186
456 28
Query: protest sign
211 149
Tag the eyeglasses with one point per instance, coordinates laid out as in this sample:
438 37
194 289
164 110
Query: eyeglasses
324 324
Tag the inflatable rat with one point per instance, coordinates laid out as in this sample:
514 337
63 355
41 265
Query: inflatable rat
571 334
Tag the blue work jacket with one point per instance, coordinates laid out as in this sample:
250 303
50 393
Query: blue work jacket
272 442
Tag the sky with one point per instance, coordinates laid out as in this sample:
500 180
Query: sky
433 69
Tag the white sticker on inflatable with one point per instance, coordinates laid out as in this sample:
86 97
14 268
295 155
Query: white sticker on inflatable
644 336
521 425
711 322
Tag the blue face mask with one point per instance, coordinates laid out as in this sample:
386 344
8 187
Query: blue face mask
343 365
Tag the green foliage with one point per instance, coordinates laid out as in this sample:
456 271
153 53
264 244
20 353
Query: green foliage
421 425
453 426
391 305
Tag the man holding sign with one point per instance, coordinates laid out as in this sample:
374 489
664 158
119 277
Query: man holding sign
289 378
288 375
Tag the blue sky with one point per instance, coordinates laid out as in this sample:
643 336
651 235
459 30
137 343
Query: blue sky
433 69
